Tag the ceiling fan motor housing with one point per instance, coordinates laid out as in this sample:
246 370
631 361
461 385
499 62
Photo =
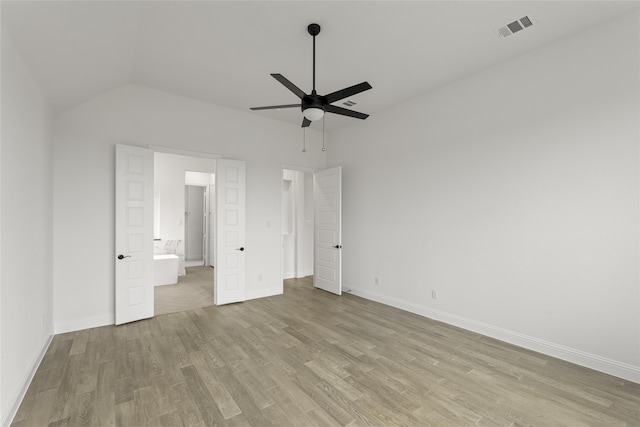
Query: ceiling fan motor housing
314 101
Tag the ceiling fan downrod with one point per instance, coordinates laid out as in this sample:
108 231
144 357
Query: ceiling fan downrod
314 30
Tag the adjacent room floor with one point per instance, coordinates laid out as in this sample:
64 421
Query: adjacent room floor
194 290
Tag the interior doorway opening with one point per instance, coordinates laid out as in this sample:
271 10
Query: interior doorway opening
195 225
199 221
184 224
297 223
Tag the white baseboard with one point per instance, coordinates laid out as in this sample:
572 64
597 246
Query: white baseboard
297 274
261 293
78 325
304 273
592 361
12 409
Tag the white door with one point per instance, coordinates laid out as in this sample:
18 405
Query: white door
212 225
134 234
205 226
327 199
230 232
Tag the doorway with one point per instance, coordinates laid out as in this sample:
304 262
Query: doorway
182 226
297 222
137 237
195 224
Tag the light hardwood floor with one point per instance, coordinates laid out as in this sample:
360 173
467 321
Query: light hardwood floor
310 358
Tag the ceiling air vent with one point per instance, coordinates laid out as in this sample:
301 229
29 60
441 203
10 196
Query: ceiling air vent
515 26
349 103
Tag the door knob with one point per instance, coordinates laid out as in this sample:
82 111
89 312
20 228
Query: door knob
338 246
123 256
240 249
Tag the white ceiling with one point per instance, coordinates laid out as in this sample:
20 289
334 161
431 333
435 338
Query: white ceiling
223 52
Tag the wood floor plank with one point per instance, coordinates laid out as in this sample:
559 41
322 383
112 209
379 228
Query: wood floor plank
294 413
146 408
312 358
201 396
66 390
241 397
225 403
58 356
326 405
40 411
105 393
126 413
186 407
83 410
258 392
290 388
276 415
171 419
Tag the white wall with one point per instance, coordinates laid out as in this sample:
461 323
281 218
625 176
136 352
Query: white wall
84 141
25 277
514 194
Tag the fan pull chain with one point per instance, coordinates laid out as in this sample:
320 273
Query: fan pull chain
323 146
304 140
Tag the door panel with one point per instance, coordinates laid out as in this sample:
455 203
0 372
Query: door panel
327 196
133 234
230 232
212 225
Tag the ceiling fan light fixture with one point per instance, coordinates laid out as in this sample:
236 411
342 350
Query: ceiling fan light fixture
313 114
314 106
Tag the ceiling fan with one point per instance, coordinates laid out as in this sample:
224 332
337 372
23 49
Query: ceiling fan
314 106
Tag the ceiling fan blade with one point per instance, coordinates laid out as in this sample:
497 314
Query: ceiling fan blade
293 88
305 122
345 112
275 107
350 91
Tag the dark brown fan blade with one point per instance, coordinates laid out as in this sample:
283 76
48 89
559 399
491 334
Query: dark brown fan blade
305 122
345 112
275 107
350 91
293 88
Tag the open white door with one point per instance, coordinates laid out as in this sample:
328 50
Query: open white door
212 225
229 234
134 234
327 200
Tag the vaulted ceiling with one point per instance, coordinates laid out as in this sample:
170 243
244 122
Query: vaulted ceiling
223 52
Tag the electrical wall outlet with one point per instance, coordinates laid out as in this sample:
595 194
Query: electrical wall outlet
434 294
376 281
